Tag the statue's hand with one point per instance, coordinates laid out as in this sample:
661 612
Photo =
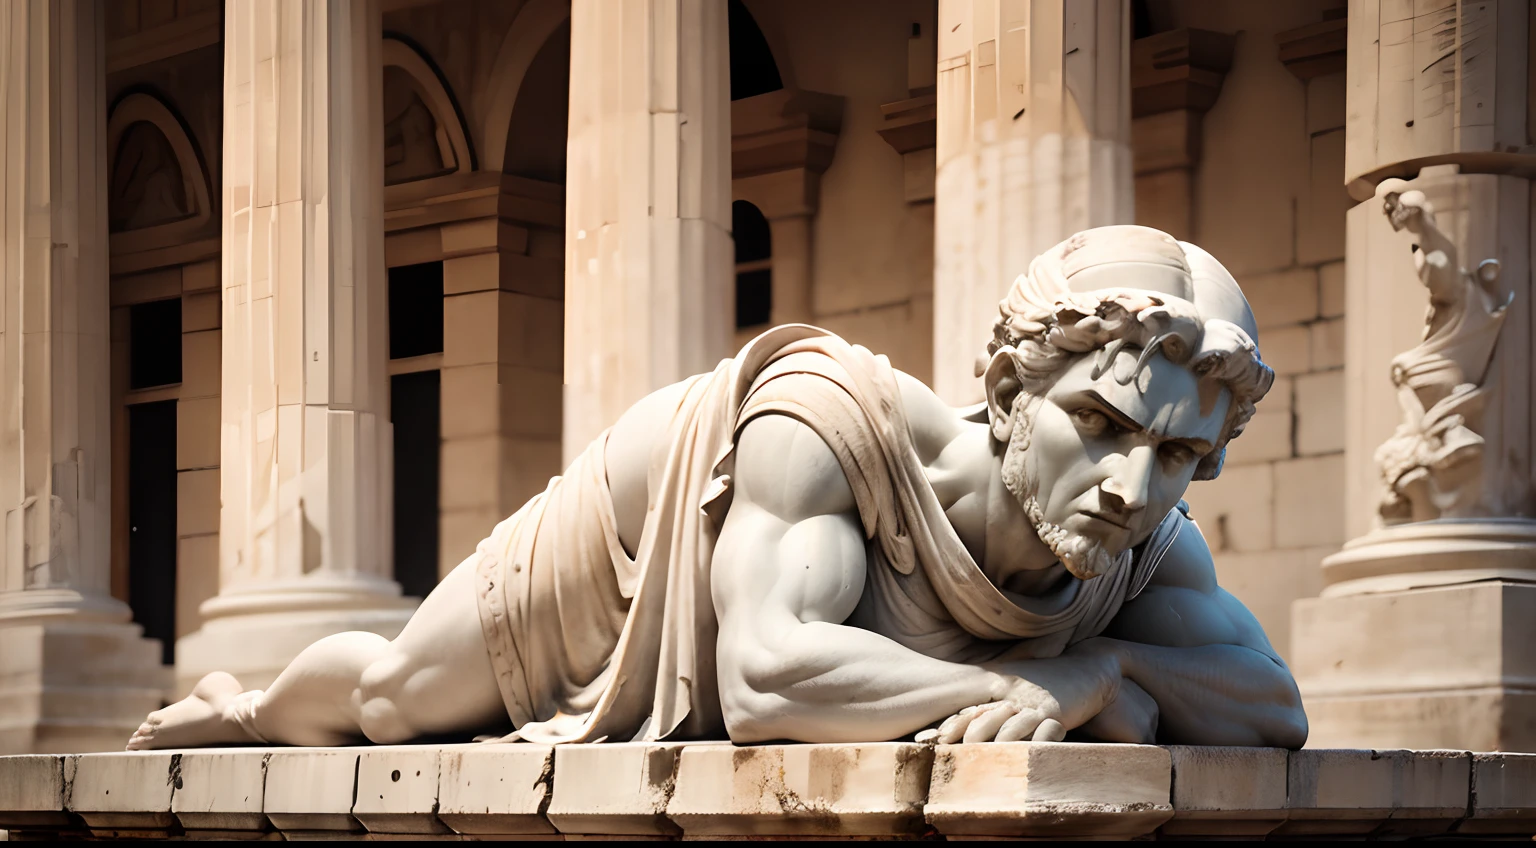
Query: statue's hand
1131 718
1046 699
1406 208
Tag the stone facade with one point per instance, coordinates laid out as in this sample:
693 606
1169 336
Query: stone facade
301 298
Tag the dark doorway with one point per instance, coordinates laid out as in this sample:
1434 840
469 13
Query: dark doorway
415 407
154 344
152 521
415 310
754 265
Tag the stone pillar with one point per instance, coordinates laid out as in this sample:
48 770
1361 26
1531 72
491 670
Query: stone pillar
1422 635
1034 115
305 528
75 674
648 204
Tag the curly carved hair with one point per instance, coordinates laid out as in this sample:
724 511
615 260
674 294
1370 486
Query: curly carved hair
1056 313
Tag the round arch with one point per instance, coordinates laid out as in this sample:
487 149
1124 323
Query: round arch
144 108
531 29
399 53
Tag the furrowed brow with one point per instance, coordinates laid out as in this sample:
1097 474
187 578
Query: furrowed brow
1119 415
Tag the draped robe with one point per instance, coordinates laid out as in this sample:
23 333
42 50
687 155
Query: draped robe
591 644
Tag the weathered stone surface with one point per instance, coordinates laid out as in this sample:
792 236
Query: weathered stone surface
1220 791
496 789
32 791
618 789
125 790
811 790
1382 793
1503 795
222 790
397 789
1053 789
310 789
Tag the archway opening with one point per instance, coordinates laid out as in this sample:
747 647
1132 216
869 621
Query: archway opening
753 70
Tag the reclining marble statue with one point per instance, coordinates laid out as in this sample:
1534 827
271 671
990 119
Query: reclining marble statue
808 545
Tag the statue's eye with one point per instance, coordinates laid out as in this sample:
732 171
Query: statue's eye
1174 453
1092 421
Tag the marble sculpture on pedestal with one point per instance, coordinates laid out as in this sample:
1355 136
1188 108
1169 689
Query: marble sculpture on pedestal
806 544
1432 465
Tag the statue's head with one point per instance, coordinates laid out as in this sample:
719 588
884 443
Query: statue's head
1120 367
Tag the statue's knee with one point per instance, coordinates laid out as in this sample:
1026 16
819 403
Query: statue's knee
381 715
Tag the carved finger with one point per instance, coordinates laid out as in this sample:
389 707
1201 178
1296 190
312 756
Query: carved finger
985 726
954 727
1049 730
1020 726
928 735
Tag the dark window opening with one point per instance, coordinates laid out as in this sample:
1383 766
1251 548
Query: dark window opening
415 409
415 310
152 521
754 265
753 70
154 344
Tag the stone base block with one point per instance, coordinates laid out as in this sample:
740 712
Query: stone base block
802 790
75 687
1440 667
256 646
1050 789
620 789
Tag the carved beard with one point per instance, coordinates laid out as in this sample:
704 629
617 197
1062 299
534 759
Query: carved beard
1084 557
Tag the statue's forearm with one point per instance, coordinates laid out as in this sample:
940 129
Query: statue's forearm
822 682
1215 694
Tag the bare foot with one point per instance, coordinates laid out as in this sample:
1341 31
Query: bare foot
205 717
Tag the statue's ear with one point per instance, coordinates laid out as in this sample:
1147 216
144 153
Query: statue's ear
1002 385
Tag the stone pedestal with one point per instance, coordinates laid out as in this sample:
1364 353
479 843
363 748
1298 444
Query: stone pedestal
305 526
1034 131
1422 632
648 298
75 674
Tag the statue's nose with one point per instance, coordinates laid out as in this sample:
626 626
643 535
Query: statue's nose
1128 488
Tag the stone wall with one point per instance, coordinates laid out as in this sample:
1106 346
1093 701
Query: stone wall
1268 200
1055 790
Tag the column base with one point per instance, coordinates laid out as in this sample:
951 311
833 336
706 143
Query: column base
253 635
1438 667
76 687
1433 553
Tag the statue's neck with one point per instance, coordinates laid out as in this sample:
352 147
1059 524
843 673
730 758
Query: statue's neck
967 477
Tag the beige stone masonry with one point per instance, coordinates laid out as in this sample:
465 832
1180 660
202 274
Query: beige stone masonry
809 790
1049 789
126 793
1034 134
488 790
620 789
1381 793
647 217
222 792
75 674
1008 790
310 790
1221 791
305 473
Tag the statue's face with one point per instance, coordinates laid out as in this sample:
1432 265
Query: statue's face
1097 464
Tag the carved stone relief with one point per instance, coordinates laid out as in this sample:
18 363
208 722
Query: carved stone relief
148 187
1432 465
416 146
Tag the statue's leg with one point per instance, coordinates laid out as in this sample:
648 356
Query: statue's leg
434 678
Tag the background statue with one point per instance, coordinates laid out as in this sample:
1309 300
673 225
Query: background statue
1432 464
807 544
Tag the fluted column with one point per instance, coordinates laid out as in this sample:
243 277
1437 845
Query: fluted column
305 526
1034 116
75 674
648 296
1422 635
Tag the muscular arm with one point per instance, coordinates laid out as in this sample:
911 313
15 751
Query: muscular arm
789 568
1201 655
